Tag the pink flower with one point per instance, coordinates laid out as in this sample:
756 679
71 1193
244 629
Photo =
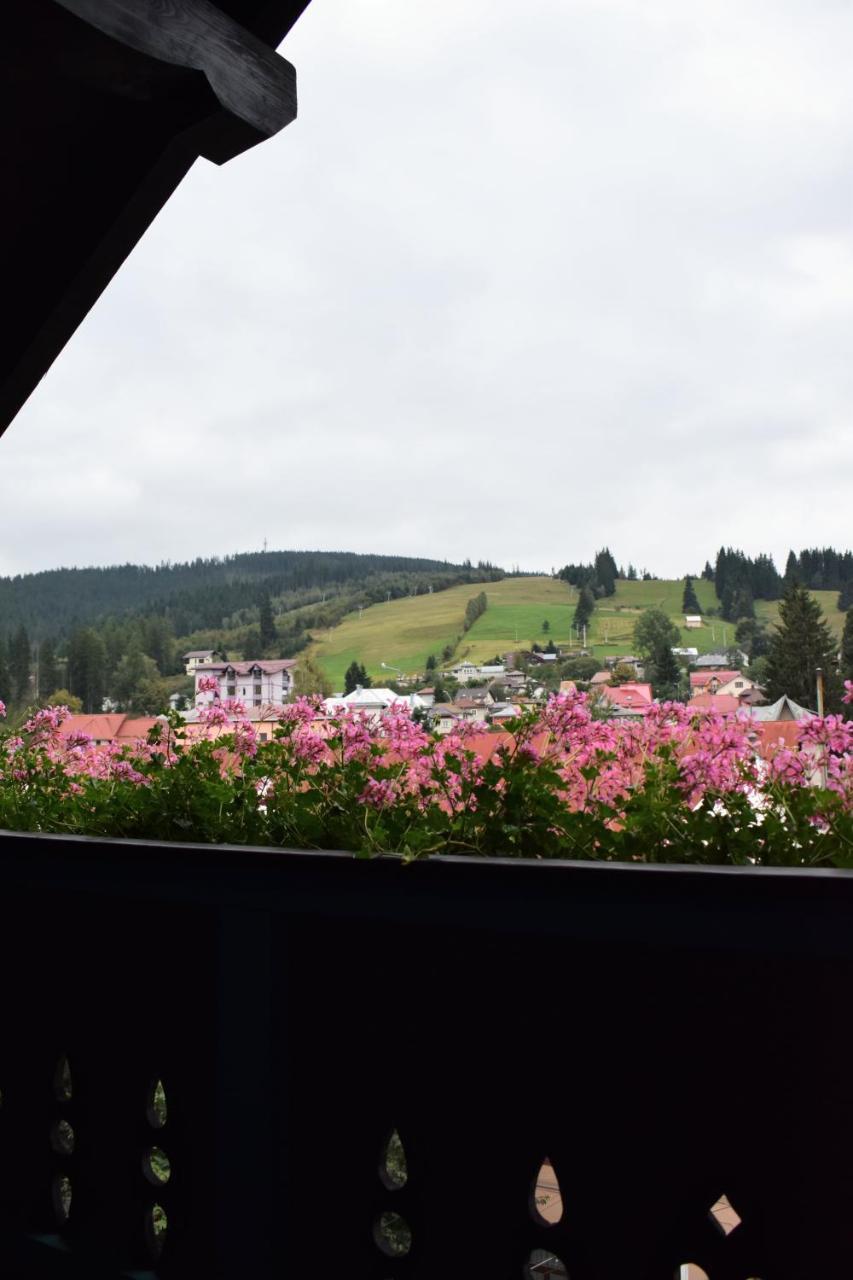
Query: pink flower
208 684
378 794
2 709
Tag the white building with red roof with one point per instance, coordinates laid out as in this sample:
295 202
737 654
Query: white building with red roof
258 683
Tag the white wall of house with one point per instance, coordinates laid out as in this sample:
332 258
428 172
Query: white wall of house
255 688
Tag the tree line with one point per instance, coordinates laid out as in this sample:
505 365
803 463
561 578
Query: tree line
198 593
135 660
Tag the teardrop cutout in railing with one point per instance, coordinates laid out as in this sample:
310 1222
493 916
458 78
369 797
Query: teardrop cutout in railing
543 1264
724 1215
546 1201
156 1108
393 1169
62 1085
61 1194
62 1138
156 1166
156 1227
392 1234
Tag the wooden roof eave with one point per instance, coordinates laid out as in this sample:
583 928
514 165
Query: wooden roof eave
108 104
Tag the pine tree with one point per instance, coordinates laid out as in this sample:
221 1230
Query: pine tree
87 659
708 571
605 571
742 605
666 673
19 664
355 676
847 649
5 675
801 644
266 622
49 678
585 607
689 599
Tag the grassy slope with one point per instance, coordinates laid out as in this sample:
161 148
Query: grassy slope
405 632
828 601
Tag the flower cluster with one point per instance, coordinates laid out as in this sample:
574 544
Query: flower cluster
676 785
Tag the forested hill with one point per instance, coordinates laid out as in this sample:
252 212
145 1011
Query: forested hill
201 593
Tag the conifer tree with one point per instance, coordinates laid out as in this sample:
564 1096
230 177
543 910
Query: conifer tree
802 643
355 676
689 599
847 649
87 659
266 622
5 677
665 673
48 669
19 664
585 607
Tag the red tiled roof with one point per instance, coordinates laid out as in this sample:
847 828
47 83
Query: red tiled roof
776 735
723 702
109 726
244 668
698 679
629 695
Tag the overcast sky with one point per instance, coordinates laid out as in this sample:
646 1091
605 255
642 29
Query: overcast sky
521 280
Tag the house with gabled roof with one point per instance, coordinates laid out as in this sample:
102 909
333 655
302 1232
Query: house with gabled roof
262 682
199 658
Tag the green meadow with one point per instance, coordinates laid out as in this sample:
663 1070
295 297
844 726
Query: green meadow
403 633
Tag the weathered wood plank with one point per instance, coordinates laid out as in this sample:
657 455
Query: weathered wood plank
251 82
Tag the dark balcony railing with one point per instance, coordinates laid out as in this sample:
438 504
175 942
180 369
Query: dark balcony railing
664 1036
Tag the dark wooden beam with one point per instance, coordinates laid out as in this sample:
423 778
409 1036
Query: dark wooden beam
104 107
255 86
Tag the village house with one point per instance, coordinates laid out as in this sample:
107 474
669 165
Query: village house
257 684
716 661
692 622
725 682
629 699
263 720
372 702
465 671
473 708
444 717
599 679
199 658
117 728
503 712
481 696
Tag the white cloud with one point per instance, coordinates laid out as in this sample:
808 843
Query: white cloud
518 282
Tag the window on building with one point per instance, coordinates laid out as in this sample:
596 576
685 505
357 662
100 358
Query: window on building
231 690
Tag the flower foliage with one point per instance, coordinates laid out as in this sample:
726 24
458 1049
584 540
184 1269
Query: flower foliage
674 786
